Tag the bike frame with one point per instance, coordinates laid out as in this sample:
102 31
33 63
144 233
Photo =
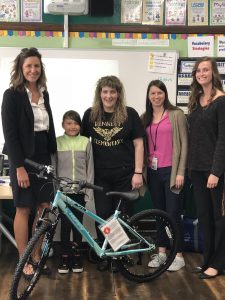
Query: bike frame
61 200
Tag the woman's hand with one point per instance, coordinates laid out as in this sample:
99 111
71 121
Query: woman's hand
137 181
179 181
22 177
212 181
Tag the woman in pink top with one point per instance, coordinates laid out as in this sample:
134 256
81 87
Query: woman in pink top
166 133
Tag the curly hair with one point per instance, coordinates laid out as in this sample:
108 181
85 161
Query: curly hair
97 111
18 80
196 88
148 114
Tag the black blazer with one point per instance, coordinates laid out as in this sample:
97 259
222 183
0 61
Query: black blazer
18 126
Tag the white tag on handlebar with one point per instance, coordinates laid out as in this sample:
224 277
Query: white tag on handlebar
114 233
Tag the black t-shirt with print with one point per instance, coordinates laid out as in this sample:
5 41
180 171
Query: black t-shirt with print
113 143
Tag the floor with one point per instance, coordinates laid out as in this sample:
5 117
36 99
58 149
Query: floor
95 285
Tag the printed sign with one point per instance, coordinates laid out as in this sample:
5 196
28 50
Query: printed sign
200 46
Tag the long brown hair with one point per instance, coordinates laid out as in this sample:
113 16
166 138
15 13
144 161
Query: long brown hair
196 88
120 112
17 80
148 114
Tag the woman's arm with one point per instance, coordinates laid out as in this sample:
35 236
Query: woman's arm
218 164
10 127
12 138
90 172
137 179
183 135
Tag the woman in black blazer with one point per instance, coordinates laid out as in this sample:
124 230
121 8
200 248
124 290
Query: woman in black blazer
29 133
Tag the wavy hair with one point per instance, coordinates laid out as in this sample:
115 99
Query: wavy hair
17 80
196 88
120 112
147 117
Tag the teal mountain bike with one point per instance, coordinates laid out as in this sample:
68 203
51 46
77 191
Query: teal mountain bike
129 242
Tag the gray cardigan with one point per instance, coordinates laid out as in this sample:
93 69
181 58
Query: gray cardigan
180 146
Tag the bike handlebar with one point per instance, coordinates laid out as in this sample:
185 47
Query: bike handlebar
88 185
50 171
34 164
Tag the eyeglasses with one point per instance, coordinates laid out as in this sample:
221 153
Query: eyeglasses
24 51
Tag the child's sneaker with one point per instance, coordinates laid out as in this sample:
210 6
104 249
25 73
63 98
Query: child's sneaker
157 260
63 267
177 264
77 264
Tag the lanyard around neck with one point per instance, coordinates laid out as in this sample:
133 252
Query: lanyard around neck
156 131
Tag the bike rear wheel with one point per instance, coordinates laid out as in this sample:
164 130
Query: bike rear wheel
152 225
21 287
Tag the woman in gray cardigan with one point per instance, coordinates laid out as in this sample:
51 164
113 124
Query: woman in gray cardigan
166 136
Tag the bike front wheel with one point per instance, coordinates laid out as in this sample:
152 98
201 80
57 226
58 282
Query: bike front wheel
156 227
41 241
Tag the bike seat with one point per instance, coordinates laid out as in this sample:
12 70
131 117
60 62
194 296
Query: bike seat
131 195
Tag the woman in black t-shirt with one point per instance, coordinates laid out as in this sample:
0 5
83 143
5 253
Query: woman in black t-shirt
117 134
206 161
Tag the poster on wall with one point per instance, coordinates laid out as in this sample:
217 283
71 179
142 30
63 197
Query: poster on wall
153 12
31 11
200 46
221 46
131 11
217 12
10 11
198 12
162 62
175 12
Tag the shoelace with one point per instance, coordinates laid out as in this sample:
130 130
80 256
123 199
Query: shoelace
156 256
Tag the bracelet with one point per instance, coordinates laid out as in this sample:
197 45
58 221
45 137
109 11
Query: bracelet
138 173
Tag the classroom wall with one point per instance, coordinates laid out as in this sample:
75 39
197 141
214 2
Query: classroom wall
91 40
129 63
72 76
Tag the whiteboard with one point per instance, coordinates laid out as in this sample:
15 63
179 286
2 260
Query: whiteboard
72 75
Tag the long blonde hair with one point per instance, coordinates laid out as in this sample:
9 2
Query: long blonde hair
97 111
196 88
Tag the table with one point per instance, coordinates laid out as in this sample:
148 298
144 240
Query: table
5 194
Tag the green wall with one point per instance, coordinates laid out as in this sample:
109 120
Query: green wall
178 44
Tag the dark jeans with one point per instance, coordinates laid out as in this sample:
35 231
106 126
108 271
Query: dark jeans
115 179
163 198
211 219
66 227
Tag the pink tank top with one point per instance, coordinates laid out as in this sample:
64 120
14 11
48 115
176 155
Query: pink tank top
160 142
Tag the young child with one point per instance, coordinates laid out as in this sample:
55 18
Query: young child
74 160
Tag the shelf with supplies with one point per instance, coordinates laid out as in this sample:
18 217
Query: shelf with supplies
130 17
120 28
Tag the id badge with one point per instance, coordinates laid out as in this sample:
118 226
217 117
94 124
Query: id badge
154 163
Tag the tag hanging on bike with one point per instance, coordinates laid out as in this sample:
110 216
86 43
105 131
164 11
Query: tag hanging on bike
114 233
